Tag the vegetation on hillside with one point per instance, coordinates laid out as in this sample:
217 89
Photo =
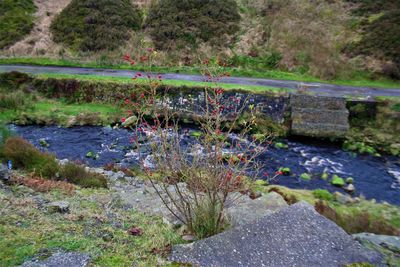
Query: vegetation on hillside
94 25
176 24
16 20
308 35
380 28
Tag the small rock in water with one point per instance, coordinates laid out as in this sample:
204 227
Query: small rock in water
59 206
350 188
43 142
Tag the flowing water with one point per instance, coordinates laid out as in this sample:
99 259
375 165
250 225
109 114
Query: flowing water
374 177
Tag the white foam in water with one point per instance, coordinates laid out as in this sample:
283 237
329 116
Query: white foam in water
396 175
330 165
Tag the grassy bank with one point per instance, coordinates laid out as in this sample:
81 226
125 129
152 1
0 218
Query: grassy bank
170 83
97 224
57 112
359 79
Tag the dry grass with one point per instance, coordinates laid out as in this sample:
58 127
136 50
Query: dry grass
309 34
39 41
42 185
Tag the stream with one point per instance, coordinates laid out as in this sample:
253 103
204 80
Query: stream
374 177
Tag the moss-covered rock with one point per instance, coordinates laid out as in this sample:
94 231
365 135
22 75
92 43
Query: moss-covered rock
337 181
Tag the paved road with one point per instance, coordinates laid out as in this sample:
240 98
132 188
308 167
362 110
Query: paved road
319 88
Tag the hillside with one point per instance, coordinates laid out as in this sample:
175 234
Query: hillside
339 39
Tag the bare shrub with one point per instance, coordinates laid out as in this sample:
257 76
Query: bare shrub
195 179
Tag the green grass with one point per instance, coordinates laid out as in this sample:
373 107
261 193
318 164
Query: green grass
358 79
172 83
390 213
58 112
26 230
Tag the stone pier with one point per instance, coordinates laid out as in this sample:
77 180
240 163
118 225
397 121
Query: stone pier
319 116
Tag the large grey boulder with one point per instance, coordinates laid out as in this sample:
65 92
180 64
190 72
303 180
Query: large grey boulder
294 236
61 259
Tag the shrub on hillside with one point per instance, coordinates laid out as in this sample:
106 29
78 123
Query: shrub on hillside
381 39
16 101
16 20
94 25
24 155
78 175
178 24
13 80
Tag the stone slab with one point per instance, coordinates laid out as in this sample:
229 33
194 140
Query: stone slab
308 115
294 236
245 210
320 129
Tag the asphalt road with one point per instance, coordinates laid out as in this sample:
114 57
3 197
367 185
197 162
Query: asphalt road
318 88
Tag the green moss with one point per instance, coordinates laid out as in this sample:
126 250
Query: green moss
349 180
96 25
337 181
323 194
281 145
261 183
325 176
16 20
285 170
196 134
305 177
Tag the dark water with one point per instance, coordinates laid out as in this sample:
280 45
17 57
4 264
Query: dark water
377 178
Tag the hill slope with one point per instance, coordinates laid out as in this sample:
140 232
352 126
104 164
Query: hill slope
328 39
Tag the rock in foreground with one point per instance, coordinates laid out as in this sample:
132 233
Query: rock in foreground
61 260
294 236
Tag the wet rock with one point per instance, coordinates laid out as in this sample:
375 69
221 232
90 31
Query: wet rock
294 236
395 149
246 210
60 259
131 121
4 173
343 199
189 238
350 188
43 143
58 207
381 240
337 181
114 176
71 121
63 162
